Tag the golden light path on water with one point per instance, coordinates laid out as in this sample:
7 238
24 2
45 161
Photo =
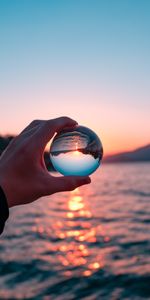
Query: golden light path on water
77 235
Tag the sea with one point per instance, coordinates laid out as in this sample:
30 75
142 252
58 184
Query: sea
91 243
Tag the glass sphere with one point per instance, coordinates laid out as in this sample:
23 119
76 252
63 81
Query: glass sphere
76 151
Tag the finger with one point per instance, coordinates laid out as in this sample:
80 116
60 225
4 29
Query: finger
33 125
29 132
49 128
66 183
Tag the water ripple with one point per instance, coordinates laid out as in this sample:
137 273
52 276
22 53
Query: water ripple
90 244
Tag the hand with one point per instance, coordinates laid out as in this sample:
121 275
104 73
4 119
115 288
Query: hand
23 174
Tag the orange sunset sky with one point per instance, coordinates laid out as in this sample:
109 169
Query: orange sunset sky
87 61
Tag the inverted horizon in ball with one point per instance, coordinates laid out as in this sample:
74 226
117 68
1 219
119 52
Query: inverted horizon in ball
76 151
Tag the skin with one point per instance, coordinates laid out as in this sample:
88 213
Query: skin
23 174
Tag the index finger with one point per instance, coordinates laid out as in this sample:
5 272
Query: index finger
49 128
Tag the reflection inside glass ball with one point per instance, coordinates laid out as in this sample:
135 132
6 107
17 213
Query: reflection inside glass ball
76 151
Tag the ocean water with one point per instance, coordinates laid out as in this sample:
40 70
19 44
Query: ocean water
92 243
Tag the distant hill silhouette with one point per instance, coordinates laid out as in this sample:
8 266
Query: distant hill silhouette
140 154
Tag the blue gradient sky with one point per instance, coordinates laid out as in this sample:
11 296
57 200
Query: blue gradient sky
86 59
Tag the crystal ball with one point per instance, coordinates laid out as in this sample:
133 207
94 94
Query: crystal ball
76 151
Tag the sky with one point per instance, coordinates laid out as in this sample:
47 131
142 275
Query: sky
87 59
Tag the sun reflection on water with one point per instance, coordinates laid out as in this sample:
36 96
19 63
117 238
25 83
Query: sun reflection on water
75 239
77 234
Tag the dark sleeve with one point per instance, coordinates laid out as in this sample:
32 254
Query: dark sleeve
4 211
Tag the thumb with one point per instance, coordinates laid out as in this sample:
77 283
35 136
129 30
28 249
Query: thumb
67 183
